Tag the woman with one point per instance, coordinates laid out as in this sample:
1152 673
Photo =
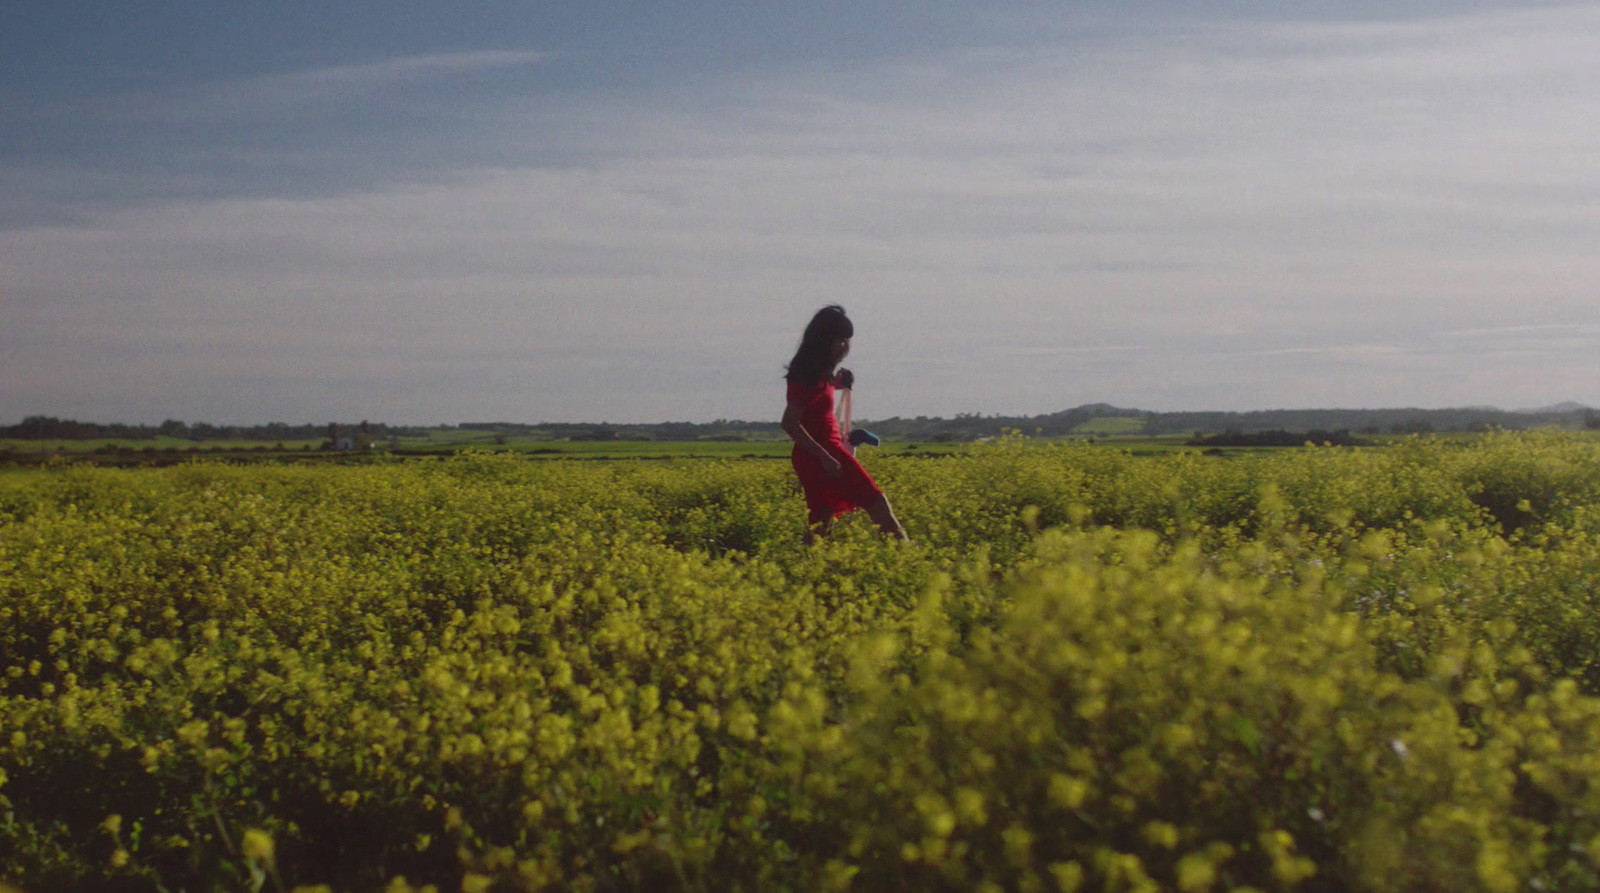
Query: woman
833 481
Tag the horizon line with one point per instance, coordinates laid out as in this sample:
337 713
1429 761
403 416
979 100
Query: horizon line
1564 407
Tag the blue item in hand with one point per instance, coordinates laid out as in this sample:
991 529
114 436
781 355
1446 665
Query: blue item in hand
861 436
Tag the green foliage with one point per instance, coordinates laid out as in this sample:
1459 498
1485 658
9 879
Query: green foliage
1324 670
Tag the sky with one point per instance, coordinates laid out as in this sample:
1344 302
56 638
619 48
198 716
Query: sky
431 213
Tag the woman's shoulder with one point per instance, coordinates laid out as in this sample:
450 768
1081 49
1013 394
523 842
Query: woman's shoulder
801 392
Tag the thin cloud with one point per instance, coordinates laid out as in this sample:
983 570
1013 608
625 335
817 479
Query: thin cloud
407 68
284 92
1589 329
1336 350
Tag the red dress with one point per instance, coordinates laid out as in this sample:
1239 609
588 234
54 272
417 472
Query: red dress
827 497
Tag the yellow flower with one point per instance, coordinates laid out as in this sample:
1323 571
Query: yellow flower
1196 873
1068 876
256 845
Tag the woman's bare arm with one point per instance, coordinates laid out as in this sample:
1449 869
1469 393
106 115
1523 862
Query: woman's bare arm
798 433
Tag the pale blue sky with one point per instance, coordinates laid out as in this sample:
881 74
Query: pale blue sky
528 211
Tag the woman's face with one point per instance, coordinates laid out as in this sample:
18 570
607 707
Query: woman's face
841 347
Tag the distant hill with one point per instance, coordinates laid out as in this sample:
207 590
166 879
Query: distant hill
1565 406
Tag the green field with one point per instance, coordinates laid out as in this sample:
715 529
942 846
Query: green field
1092 668
1111 425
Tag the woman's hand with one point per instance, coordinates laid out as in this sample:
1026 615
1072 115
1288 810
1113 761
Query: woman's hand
844 379
832 466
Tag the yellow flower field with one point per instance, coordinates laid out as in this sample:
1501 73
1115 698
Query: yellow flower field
1320 670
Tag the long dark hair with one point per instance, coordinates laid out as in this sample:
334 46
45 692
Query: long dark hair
814 358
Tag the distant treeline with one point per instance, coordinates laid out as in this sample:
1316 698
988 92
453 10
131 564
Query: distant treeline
48 428
963 427
1358 421
721 429
971 426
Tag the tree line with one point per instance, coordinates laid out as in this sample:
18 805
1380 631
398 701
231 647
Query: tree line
962 427
1148 423
50 428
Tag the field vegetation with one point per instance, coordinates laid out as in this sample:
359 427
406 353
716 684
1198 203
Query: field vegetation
1325 669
